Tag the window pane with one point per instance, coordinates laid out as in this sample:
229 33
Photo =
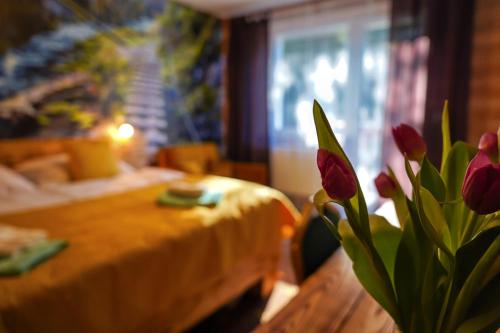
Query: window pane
342 62
371 108
309 67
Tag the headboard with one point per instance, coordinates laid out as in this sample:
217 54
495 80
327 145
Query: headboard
202 155
17 150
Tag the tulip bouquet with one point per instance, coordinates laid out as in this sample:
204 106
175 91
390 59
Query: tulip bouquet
440 270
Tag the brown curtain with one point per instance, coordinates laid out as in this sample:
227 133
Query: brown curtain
247 135
449 27
409 50
430 61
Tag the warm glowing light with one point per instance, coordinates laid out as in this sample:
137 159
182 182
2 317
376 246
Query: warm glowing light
123 133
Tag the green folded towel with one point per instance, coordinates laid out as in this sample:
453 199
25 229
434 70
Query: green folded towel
208 198
31 257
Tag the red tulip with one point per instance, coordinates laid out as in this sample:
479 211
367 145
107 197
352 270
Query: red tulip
409 142
385 185
489 144
481 187
337 178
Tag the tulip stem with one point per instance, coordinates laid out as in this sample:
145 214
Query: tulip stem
444 306
469 228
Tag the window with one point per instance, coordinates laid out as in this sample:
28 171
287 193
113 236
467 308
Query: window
340 58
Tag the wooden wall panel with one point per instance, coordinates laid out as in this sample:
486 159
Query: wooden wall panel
484 104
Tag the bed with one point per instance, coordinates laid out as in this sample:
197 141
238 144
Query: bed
132 266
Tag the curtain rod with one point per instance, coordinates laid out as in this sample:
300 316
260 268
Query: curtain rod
298 9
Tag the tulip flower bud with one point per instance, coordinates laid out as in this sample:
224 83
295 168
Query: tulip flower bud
337 178
409 142
385 185
481 187
489 144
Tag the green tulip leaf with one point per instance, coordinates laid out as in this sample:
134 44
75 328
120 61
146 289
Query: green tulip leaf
435 216
386 240
485 311
326 138
411 175
454 169
475 279
332 227
320 199
405 280
426 224
399 200
469 254
431 180
445 130
493 271
413 255
433 292
490 221
453 174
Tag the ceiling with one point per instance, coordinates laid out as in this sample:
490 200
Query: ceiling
232 8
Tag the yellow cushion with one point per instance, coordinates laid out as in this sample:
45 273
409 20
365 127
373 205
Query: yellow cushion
192 167
91 159
195 158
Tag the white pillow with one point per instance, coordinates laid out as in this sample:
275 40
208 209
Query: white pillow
14 182
45 169
124 167
38 162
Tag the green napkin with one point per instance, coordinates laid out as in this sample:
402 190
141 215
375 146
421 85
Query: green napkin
208 198
31 257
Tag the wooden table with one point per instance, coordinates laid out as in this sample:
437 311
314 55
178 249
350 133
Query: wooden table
331 300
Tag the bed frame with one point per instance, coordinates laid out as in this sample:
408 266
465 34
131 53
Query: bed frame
246 275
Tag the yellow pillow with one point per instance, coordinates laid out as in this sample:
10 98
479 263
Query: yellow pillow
193 167
90 159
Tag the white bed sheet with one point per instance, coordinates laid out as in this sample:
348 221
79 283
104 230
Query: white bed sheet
22 201
57 194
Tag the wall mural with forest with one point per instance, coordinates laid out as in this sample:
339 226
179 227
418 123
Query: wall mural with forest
69 66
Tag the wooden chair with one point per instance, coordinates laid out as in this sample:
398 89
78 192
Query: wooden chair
312 243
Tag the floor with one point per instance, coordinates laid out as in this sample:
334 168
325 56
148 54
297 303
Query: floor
243 315
331 301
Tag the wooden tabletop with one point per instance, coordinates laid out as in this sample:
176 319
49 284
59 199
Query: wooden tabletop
331 300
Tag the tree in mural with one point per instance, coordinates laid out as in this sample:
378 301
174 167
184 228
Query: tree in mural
61 66
190 49
100 59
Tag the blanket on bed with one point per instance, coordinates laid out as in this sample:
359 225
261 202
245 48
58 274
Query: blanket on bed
131 263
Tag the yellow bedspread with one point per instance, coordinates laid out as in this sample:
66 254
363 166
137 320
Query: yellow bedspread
129 262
